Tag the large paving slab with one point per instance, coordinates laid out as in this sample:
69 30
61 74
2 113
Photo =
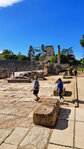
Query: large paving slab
51 146
16 110
80 83
80 114
8 146
17 136
37 138
10 122
3 134
63 133
27 122
25 104
79 135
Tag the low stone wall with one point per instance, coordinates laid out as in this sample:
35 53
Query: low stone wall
19 65
19 80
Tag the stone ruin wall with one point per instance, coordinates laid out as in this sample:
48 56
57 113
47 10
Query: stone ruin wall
9 66
16 65
54 69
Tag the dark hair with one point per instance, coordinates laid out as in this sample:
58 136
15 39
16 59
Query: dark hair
59 79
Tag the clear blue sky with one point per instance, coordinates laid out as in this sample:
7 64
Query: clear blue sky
48 22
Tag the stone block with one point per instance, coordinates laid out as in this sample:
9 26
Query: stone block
55 92
19 80
47 113
50 102
67 77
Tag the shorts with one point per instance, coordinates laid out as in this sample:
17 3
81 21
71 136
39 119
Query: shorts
35 92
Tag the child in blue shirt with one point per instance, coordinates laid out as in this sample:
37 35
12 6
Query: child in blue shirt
60 88
36 88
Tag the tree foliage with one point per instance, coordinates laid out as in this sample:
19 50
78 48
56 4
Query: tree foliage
82 42
43 49
42 57
67 51
7 57
7 52
70 55
22 57
37 57
53 59
64 59
82 61
35 52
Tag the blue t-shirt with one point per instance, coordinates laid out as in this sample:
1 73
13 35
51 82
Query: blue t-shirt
60 85
36 84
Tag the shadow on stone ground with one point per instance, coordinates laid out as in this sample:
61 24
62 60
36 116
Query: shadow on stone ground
68 93
62 122
80 101
72 101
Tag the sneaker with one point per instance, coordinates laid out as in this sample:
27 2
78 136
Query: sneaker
36 99
62 99
59 99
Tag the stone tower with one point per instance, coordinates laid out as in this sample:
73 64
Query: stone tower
58 58
49 52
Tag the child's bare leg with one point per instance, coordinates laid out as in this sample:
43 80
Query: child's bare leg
36 95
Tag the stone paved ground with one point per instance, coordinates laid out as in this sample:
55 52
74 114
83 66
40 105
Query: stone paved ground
17 130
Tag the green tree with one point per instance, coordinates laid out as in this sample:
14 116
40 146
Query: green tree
42 57
70 55
82 61
82 42
67 51
53 59
7 52
64 59
37 57
7 57
22 57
